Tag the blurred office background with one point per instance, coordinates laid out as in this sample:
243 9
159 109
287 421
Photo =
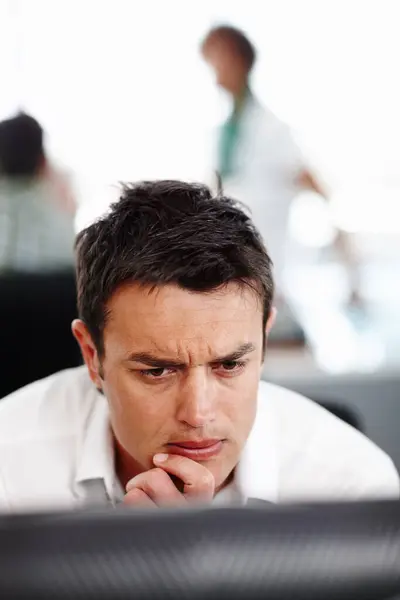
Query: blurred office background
122 93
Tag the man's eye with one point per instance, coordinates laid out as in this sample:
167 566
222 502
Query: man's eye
157 373
232 366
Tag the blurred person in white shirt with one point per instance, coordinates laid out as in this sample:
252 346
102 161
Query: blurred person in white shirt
36 202
175 300
258 159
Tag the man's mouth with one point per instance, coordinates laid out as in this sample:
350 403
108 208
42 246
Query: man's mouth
197 450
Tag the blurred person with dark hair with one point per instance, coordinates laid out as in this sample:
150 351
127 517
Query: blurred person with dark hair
175 294
258 160
36 204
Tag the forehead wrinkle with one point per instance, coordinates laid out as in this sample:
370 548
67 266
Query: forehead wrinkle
180 351
186 334
224 317
174 309
197 310
197 331
209 302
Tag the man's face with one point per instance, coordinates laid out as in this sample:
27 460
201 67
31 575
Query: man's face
230 72
183 367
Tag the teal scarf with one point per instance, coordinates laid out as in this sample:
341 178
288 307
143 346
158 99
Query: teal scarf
229 136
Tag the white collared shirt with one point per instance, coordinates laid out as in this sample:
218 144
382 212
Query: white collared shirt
267 164
56 451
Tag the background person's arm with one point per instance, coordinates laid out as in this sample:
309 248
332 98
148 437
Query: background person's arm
343 243
307 181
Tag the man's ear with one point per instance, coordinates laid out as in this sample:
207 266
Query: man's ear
271 321
89 351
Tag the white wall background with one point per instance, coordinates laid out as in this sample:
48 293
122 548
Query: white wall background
123 94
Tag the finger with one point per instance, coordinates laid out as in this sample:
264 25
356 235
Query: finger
158 486
199 483
137 497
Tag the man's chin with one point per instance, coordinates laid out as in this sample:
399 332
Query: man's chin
222 470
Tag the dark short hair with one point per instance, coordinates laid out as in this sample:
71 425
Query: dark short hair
168 232
238 40
21 146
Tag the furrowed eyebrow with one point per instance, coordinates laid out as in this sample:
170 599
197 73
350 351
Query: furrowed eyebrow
154 361
237 354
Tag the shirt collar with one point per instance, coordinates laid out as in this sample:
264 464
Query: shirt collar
256 475
257 472
96 452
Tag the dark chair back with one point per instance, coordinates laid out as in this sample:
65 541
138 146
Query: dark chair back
36 311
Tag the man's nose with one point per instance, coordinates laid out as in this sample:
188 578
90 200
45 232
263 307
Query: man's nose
196 402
